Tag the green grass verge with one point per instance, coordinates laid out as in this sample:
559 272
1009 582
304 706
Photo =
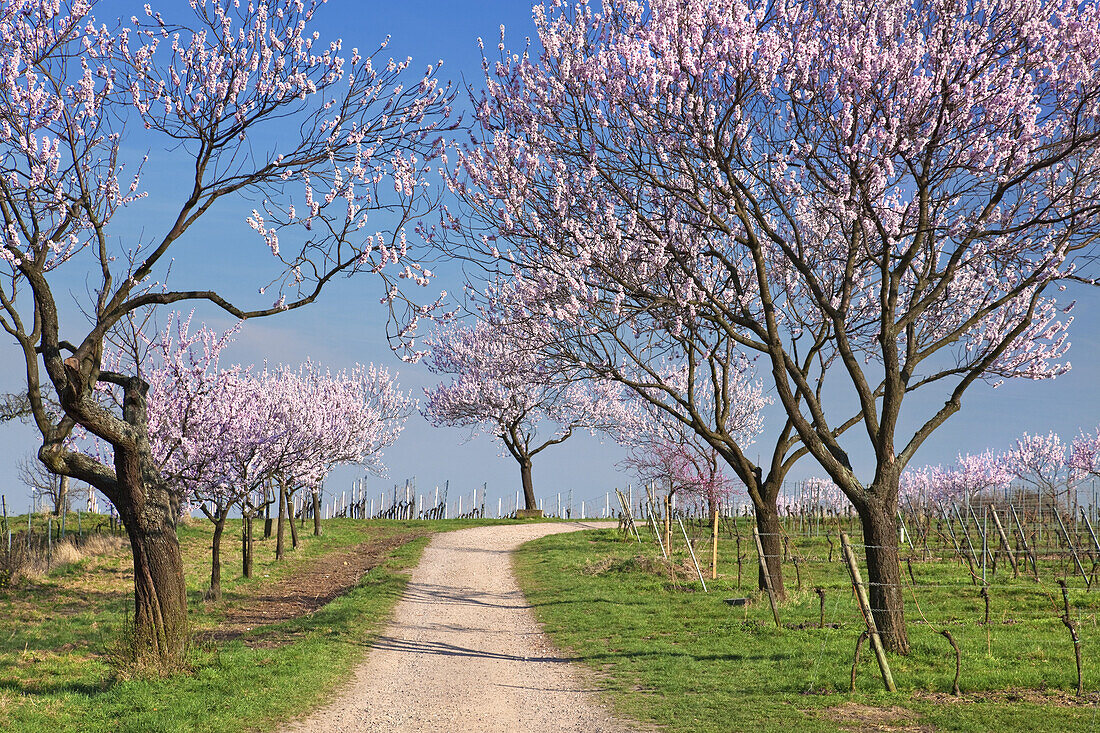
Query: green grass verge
55 641
672 655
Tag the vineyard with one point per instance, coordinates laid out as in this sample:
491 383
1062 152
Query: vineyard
1017 647
998 593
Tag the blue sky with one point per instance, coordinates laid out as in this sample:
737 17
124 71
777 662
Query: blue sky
346 326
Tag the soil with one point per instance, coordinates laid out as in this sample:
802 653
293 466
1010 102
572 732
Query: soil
856 717
306 590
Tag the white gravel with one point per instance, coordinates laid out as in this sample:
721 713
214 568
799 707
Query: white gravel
463 652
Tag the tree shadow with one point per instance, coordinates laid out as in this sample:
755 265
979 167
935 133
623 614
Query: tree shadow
448 594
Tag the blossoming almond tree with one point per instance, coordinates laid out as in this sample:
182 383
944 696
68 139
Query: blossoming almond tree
501 387
963 481
883 190
321 419
1084 455
251 102
218 434
1047 464
678 460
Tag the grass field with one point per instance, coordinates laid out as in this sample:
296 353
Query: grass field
58 631
672 655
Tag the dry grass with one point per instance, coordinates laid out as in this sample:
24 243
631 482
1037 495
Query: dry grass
639 563
36 563
102 544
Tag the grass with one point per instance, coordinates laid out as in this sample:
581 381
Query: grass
55 661
672 655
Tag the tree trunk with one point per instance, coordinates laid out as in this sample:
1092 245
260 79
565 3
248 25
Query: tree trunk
280 531
149 515
293 526
771 538
147 507
267 515
668 525
316 514
62 495
880 535
528 487
215 591
246 545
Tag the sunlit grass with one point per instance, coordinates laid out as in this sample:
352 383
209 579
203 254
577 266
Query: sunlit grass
671 654
58 630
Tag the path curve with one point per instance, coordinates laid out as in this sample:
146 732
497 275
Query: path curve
464 653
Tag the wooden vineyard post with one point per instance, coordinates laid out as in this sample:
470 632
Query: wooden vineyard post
1071 545
692 551
1095 542
631 526
972 558
668 523
737 539
764 574
1023 539
868 616
653 522
1004 540
657 534
954 540
905 531
714 544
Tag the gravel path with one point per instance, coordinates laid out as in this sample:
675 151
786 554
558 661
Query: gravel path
463 652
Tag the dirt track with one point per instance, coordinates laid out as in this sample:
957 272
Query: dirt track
463 652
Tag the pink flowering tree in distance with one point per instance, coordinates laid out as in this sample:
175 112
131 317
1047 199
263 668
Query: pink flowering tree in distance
888 192
669 454
670 457
321 419
680 462
975 474
249 102
499 387
194 411
1046 464
1084 456
961 482
218 435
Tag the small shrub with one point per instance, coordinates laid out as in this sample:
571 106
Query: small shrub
636 564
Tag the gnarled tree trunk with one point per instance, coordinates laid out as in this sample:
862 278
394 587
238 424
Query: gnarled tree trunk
246 545
62 498
215 591
149 512
267 513
293 526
